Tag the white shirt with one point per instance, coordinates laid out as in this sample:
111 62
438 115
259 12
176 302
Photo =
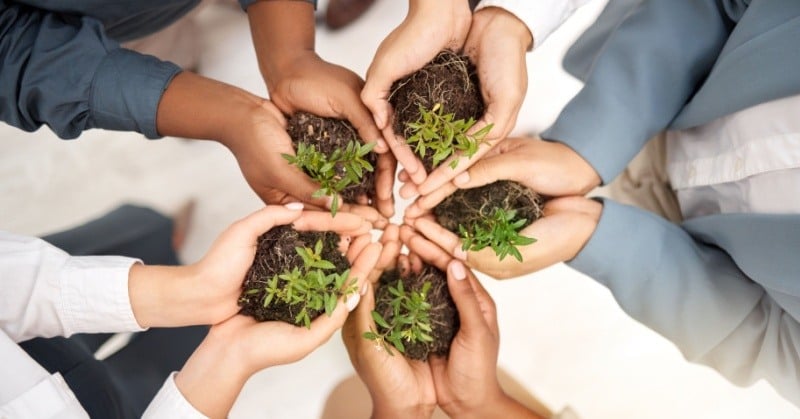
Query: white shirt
542 17
745 162
45 292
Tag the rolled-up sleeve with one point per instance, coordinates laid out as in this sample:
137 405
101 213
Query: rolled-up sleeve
62 71
542 17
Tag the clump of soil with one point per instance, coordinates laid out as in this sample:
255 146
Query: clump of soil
275 255
451 80
469 206
443 313
329 134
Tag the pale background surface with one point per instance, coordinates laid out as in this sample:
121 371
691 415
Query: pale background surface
563 335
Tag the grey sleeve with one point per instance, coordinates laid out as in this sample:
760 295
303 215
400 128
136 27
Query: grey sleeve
695 295
64 72
641 61
246 3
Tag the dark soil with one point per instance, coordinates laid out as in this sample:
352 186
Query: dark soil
443 312
329 134
276 254
449 79
467 206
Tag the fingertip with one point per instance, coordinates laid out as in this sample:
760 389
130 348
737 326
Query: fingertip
457 270
459 253
294 206
461 179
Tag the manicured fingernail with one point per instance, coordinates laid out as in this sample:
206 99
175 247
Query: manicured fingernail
364 288
461 179
352 301
458 271
294 206
459 253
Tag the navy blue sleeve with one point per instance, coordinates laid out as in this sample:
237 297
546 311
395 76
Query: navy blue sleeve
64 72
247 3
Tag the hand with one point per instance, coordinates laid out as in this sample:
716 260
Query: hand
565 227
399 387
466 380
549 168
238 347
497 44
207 292
429 27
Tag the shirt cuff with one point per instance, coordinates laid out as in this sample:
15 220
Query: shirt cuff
170 403
542 17
50 398
126 90
95 299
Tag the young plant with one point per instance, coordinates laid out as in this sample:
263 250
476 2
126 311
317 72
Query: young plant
334 172
311 287
443 136
409 321
500 231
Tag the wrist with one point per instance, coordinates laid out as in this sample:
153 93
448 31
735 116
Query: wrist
380 411
498 19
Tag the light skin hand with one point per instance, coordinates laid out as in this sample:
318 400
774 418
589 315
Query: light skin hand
549 168
497 43
429 27
565 227
169 296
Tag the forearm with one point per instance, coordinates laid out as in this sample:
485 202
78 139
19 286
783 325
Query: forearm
500 406
197 107
281 30
643 62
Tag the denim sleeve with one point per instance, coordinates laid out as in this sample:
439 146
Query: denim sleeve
64 72
246 3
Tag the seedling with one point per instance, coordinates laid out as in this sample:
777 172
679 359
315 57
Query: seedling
311 287
500 232
409 322
334 172
443 136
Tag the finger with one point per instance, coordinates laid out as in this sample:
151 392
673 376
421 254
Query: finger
446 172
364 264
579 204
408 190
254 225
441 237
361 119
486 303
323 327
403 176
469 310
376 91
415 262
390 239
384 184
343 223
403 265
427 250
357 245
425 203
405 156
358 322
366 212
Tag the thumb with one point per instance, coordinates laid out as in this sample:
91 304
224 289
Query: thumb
489 170
266 218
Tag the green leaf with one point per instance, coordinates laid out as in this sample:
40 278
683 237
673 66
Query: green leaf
370 336
379 320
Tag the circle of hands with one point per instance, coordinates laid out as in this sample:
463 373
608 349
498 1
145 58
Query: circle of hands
466 380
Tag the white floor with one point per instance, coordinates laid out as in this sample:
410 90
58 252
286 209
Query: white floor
563 335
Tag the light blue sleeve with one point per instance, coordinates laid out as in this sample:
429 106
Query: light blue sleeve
64 72
641 62
692 292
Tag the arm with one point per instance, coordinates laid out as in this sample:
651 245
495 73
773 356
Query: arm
645 61
68 75
698 297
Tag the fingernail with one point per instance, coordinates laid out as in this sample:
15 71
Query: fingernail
458 271
461 179
379 120
380 145
294 206
459 253
364 288
352 301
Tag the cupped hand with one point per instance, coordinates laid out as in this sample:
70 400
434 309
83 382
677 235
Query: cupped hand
399 387
548 168
429 27
497 44
222 270
566 225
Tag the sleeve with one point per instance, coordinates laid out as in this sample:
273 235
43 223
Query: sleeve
694 295
642 61
33 392
542 17
246 3
169 403
46 292
63 71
